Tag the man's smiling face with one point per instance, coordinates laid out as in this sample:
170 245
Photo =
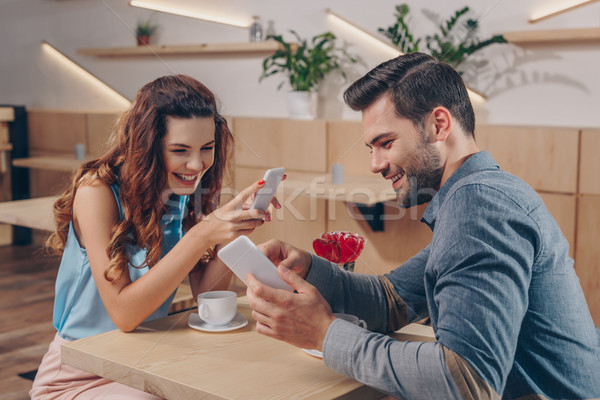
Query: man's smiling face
401 153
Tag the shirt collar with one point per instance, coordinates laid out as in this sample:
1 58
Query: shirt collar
475 163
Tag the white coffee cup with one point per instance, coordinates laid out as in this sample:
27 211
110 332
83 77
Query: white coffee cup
217 307
353 319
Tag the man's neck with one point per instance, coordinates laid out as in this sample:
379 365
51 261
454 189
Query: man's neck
458 153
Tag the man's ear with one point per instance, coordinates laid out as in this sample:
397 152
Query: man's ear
440 124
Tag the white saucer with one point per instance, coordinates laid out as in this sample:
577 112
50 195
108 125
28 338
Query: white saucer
237 322
314 353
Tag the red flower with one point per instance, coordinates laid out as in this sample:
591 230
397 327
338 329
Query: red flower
339 247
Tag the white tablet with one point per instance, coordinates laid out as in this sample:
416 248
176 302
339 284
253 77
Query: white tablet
243 257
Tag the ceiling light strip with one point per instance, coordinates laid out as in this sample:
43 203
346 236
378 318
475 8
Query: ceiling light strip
362 31
79 69
547 13
188 13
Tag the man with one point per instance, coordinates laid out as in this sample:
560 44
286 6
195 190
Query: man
496 280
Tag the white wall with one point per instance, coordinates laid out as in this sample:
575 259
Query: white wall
552 85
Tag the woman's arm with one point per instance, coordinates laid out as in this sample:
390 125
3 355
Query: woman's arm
214 275
129 303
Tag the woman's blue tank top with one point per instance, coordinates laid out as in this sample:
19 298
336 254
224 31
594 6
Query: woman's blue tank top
78 308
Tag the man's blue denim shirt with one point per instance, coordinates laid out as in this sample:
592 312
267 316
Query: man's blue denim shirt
499 287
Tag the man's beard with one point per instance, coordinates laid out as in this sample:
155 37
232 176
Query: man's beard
423 177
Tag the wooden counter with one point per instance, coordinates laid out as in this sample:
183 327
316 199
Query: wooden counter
32 213
48 163
366 190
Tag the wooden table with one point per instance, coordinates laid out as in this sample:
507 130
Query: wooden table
169 359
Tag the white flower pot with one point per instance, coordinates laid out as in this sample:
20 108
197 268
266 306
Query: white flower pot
302 105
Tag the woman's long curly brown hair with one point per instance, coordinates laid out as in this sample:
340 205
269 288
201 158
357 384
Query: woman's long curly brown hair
135 161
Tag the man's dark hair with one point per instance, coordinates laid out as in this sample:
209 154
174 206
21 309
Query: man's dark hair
416 84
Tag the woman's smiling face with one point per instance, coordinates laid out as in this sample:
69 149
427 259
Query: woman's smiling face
189 151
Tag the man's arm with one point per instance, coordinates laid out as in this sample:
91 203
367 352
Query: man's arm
481 269
402 369
386 302
470 356
407 370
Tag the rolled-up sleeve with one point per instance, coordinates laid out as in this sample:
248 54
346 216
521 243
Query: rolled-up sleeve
407 370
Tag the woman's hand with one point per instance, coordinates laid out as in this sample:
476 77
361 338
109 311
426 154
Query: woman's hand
274 202
234 218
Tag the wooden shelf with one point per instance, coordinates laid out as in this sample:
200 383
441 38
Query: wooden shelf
48 163
554 36
245 48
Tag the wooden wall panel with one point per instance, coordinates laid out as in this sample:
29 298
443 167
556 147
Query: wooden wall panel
5 162
546 158
6 114
346 146
562 207
55 130
404 235
589 173
5 234
299 221
99 126
4 136
293 144
587 255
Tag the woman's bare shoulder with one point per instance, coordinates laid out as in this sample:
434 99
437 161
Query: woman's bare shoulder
93 201
94 191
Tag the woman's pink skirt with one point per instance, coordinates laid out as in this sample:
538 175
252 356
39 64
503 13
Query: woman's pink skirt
55 380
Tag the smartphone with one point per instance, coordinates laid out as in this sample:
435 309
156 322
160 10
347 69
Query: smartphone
243 257
264 195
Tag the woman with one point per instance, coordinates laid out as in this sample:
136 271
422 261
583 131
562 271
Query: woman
120 227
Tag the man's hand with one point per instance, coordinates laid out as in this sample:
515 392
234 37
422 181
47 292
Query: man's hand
301 318
288 256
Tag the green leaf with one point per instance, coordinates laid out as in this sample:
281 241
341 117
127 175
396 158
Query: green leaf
399 33
308 64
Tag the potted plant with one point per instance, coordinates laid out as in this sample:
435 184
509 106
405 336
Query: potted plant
304 66
455 41
143 31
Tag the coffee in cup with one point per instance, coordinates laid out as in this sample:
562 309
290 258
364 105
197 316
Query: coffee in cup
217 307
